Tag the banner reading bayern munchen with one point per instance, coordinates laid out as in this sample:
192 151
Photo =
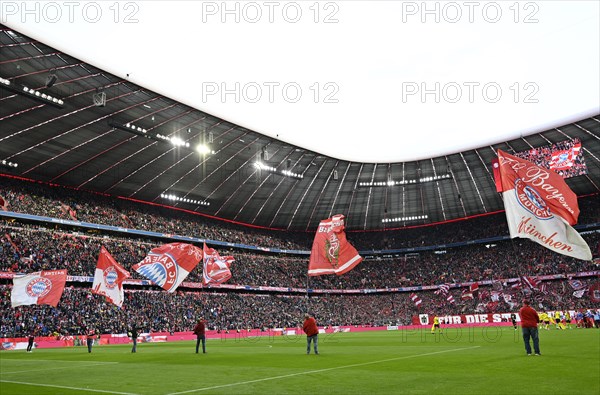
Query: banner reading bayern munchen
540 206
168 265
216 268
45 287
109 277
331 253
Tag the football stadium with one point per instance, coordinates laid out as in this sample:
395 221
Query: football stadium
339 197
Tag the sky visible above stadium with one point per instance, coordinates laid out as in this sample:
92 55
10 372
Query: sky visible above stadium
366 81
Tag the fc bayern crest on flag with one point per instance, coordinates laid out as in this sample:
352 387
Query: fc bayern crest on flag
332 250
38 287
531 200
168 265
159 268
110 278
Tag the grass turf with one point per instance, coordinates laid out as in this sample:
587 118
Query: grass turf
460 361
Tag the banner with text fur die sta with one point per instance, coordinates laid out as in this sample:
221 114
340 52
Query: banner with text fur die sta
45 287
109 277
216 268
331 253
168 265
540 206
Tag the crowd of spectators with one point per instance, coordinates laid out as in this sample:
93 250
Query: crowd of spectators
58 202
572 164
157 311
27 248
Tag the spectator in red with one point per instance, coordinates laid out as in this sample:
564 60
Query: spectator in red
529 321
312 333
199 330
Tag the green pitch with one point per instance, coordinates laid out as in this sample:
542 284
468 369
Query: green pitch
466 361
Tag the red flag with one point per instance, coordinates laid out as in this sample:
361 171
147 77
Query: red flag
466 294
474 288
127 221
45 287
3 204
216 268
529 282
492 306
540 206
12 243
415 298
109 277
67 210
496 172
563 159
331 252
450 299
443 289
168 265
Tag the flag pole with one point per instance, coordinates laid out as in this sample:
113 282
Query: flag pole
519 272
307 285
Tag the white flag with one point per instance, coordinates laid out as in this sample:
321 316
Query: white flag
108 278
45 287
540 206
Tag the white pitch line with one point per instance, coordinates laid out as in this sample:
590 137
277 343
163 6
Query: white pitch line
319 371
68 388
60 367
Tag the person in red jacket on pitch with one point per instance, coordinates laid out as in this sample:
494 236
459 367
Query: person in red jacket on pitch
199 330
312 333
529 321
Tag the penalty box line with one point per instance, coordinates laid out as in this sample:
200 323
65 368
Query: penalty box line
321 370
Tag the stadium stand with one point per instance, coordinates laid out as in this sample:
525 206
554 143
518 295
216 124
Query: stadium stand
33 246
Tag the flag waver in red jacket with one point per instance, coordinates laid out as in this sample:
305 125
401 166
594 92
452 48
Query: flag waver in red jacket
312 333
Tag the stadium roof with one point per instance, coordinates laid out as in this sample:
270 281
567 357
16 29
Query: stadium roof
116 149
362 81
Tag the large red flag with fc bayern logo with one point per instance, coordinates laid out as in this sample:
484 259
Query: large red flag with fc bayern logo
540 206
216 268
45 287
331 253
168 265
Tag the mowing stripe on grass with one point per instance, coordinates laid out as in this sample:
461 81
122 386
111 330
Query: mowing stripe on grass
68 388
60 367
43 360
320 371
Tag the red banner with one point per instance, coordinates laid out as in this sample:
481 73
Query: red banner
216 269
331 253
